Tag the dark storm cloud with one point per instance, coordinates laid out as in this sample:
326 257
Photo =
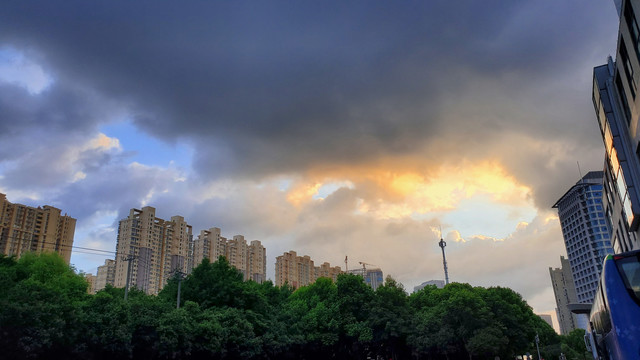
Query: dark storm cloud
62 109
275 86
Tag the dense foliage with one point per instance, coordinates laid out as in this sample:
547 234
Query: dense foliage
45 312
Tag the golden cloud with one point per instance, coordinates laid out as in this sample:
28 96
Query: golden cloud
390 191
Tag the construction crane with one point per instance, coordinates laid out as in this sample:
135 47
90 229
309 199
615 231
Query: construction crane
364 265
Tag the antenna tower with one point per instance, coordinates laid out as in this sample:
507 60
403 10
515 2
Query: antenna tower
442 244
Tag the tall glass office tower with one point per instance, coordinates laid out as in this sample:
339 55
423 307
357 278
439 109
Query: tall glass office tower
587 235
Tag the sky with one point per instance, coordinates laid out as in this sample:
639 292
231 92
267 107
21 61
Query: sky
363 129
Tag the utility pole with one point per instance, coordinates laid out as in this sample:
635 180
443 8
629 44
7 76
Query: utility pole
346 264
442 244
129 258
537 347
179 274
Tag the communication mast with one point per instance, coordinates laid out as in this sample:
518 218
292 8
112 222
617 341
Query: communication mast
442 244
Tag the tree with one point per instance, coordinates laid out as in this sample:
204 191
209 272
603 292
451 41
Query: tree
573 345
209 284
107 328
314 318
390 319
353 300
40 312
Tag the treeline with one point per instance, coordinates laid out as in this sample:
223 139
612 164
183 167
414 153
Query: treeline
45 312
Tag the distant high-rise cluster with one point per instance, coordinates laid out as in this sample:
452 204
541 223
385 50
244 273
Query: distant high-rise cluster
250 259
27 229
151 250
300 271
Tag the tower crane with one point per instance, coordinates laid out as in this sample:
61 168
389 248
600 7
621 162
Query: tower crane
364 265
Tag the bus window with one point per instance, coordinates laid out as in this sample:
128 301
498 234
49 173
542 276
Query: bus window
630 269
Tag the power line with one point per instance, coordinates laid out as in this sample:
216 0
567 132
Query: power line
16 239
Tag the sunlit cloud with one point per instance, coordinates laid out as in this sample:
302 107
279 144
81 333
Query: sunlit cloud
103 142
402 192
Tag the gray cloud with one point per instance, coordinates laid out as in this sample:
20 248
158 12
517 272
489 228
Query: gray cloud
279 86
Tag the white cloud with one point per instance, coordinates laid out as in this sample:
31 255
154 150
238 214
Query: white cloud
17 69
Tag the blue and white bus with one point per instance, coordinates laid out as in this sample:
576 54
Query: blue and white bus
615 314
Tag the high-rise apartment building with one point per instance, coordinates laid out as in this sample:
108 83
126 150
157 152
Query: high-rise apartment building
155 248
91 283
327 271
236 254
106 275
294 270
586 233
565 293
300 271
617 108
256 262
209 244
249 259
28 229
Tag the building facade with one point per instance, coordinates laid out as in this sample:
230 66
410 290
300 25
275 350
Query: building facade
28 229
586 233
327 271
256 262
106 275
438 283
250 259
564 291
547 318
151 250
209 244
372 277
91 283
298 271
617 109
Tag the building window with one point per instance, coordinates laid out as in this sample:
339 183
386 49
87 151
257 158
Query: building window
628 69
632 24
623 98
